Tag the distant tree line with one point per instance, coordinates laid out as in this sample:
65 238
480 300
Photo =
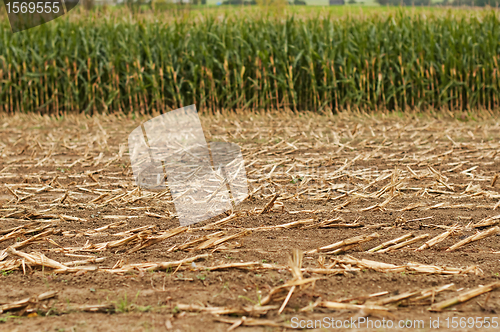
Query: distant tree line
478 3
263 2
405 2
239 2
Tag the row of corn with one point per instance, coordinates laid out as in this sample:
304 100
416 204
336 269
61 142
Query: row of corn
395 60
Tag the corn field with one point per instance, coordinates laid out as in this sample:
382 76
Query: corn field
394 61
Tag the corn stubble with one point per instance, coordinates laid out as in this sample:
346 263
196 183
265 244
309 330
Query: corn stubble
119 62
444 174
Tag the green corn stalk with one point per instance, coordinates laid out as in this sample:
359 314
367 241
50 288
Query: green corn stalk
302 61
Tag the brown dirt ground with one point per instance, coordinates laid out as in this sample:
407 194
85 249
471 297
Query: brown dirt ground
324 166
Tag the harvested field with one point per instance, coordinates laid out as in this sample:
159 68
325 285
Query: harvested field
350 216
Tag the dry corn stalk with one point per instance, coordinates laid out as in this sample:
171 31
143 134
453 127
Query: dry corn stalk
431 292
157 266
265 266
348 242
12 235
374 265
159 216
348 306
433 269
131 231
80 269
269 205
391 242
156 239
412 206
86 261
216 241
5 231
71 218
435 240
3 255
295 263
490 221
410 267
104 307
221 222
340 206
245 321
362 298
25 302
112 225
416 295
117 243
97 199
405 243
288 284
24 243
200 239
329 271
329 224
476 237
381 206
396 298
10 265
251 310
292 224
464 297
298 280
494 180
241 265
37 259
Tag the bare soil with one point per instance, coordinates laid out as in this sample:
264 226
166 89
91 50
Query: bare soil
391 175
